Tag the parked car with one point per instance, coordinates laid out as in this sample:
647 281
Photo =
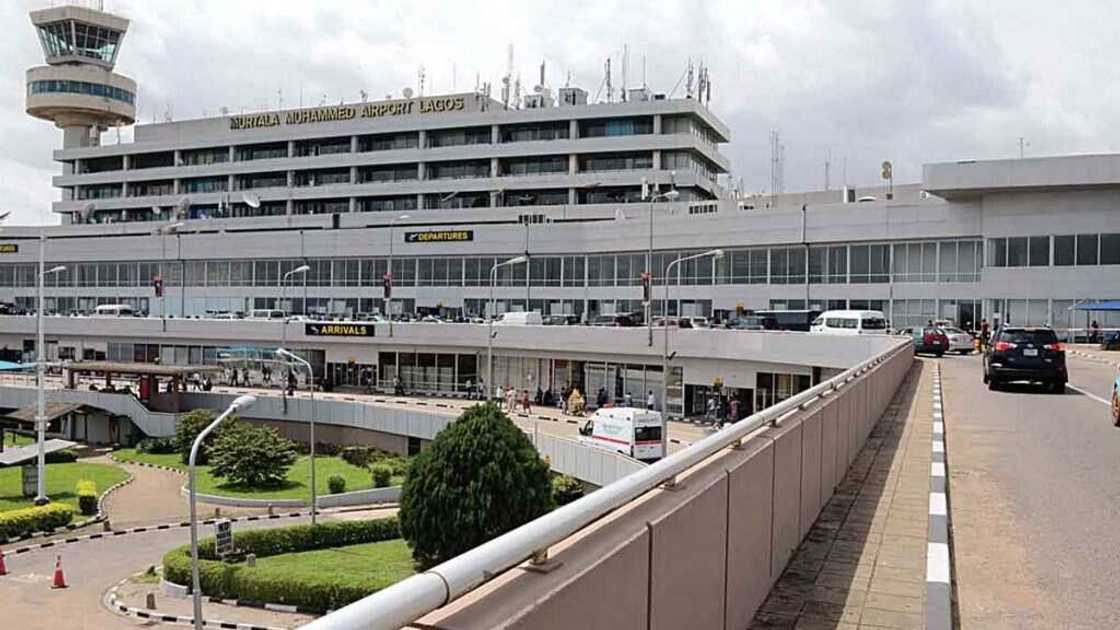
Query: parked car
1116 401
959 340
1111 340
561 320
1018 353
928 340
747 322
621 320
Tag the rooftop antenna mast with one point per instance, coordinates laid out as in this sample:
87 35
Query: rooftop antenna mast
777 166
688 80
610 94
644 86
508 78
625 69
421 78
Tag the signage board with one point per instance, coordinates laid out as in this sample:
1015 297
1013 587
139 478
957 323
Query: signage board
30 477
9 248
381 109
439 236
338 329
223 537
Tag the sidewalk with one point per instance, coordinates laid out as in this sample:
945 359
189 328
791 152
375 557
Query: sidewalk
1092 352
863 564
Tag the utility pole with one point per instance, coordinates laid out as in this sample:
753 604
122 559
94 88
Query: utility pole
1022 146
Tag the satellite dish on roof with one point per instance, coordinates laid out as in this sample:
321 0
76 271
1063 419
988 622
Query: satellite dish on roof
407 92
251 200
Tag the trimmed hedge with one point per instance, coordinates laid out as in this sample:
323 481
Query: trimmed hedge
65 456
15 523
87 497
158 446
238 581
382 475
336 484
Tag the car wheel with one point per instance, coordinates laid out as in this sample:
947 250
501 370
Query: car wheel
939 354
1058 387
993 384
985 376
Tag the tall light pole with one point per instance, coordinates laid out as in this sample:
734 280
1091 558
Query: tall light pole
670 195
163 231
490 323
40 365
714 253
242 402
302 269
389 273
311 381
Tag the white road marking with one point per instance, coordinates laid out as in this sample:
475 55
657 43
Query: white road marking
937 469
937 562
938 428
1087 393
937 505
938 446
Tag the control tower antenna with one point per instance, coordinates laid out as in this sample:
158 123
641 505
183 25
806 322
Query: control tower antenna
507 80
421 77
77 90
625 69
610 91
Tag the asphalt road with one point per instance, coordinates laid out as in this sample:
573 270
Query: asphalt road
1035 500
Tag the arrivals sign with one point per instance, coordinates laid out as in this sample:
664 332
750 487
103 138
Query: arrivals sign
338 330
382 109
439 236
9 248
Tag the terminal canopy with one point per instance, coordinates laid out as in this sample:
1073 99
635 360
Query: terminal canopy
1110 305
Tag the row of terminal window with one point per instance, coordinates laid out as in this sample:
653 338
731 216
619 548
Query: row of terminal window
1064 250
438 138
773 265
81 87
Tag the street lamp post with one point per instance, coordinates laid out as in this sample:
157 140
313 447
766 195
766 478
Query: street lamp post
490 323
283 296
40 372
389 298
714 253
670 195
241 403
311 383
163 231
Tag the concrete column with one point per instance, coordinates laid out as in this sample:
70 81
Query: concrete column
572 196
291 206
353 205
573 164
573 129
72 168
423 142
232 153
229 183
493 167
353 175
125 162
419 201
657 160
291 178
495 134
291 148
177 158
657 124
353 144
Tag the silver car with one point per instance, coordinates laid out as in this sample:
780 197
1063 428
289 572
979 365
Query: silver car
959 340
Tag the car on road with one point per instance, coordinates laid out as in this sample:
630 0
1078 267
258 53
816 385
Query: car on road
928 340
561 320
1020 353
1116 401
850 323
745 322
959 340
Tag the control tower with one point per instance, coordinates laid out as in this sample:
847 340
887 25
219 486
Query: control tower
77 90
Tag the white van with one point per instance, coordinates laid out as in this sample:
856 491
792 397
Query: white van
113 310
520 318
633 432
850 323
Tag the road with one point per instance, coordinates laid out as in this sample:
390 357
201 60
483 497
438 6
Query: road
1035 500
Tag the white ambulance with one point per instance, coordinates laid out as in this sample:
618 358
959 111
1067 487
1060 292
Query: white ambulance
633 432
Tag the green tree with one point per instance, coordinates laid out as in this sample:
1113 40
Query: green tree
187 429
481 478
251 456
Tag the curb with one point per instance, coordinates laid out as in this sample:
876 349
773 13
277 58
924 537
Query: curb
111 602
939 565
245 603
149 528
1096 358
133 462
96 518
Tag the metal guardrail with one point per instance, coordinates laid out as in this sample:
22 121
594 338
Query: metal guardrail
414 597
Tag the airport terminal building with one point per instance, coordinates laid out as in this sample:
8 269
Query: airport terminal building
436 189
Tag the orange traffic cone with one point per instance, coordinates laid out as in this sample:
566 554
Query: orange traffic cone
3 568
59 578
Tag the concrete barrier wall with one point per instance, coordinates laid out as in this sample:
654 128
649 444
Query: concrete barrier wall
702 555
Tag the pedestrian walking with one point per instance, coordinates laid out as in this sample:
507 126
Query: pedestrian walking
500 394
629 400
985 330
525 400
650 400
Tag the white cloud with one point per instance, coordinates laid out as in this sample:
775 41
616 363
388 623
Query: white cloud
866 81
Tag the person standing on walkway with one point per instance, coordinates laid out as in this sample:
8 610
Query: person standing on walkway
651 402
628 399
985 330
734 410
500 394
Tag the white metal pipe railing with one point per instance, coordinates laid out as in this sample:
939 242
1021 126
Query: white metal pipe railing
412 598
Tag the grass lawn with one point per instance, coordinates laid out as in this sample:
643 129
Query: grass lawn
61 479
15 439
295 486
383 563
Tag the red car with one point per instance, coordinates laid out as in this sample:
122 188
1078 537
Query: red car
930 340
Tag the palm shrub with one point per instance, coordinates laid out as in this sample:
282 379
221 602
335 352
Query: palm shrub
251 456
481 478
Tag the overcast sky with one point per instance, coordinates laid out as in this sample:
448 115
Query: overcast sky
911 82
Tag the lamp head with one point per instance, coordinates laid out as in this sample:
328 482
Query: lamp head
717 253
244 402
58 269
301 269
516 261
284 353
672 195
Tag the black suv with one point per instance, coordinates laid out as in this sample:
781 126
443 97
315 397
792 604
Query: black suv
1016 353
